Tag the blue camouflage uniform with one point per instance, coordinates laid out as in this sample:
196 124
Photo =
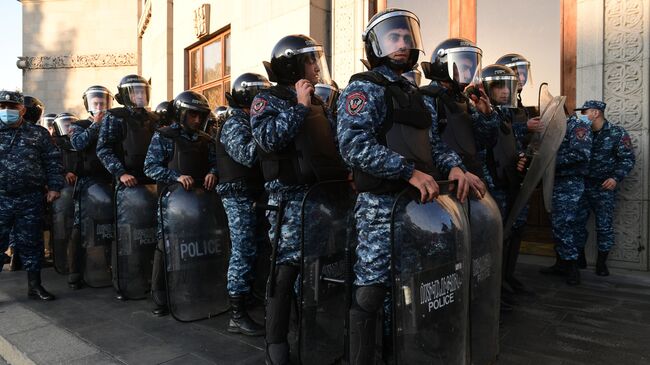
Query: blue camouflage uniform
612 156
357 133
29 162
275 124
571 167
238 199
80 139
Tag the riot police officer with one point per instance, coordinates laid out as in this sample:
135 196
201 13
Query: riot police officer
35 109
381 168
164 110
48 122
179 153
291 127
61 138
29 164
240 185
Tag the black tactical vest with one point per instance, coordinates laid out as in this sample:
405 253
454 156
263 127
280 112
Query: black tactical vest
312 157
232 171
405 131
69 156
89 163
455 126
190 157
501 160
137 130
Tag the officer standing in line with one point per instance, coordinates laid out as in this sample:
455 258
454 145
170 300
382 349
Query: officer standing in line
34 111
174 155
571 168
61 138
240 186
83 138
393 44
290 126
29 163
612 159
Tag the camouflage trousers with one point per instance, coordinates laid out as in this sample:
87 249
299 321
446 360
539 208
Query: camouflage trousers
21 226
602 203
242 224
290 228
568 217
503 201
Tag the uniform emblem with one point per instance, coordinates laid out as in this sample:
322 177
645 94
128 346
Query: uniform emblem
581 133
627 142
355 102
7 97
259 106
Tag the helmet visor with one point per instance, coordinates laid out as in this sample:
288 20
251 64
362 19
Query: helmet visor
464 65
47 122
62 125
395 33
315 65
136 94
522 69
328 94
252 88
97 101
502 90
414 76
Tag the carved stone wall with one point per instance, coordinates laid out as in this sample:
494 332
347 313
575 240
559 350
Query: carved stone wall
78 61
349 20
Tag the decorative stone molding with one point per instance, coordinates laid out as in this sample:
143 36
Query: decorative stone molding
202 20
633 186
80 61
629 233
144 18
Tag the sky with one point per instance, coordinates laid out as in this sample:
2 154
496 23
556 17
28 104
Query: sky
12 45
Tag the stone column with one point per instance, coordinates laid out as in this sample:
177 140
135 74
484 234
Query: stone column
349 18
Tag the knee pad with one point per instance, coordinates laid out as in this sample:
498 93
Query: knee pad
369 298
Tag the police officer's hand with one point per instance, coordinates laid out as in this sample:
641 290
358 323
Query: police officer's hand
70 178
97 118
186 181
52 196
128 180
304 90
463 186
210 181
609 184
521 163
535 125
476 185
427 186
483 103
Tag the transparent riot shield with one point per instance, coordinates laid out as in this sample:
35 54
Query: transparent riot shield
197 249
485 292
62 221
327 211
430 291
96 219
135 239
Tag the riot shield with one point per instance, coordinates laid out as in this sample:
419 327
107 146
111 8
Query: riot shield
197 249
430 293
487 252
62 221
554 119
135 239
327 212
262 262
96 219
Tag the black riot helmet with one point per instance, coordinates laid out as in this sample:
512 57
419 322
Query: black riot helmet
500 84
62 123
34 109
520 65
133 92
163 110
48 120
289 57
190 101
455 60
328 93
244 89
221 113
97 99
393 31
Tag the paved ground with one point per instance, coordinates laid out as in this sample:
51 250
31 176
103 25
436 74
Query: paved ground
600 322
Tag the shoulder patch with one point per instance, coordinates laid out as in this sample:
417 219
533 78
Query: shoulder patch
258 106
581 133
627 142
355 102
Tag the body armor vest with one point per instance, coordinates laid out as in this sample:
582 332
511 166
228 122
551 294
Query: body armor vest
312 156
232 171
69 156
190 157
405 131
137 130
501 160
89 164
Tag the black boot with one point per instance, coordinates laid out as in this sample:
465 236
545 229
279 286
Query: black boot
240 321
368 300
278 315
601 267
160 311
510 262
75 259
573 273
277 354
35 289
582 261
559 268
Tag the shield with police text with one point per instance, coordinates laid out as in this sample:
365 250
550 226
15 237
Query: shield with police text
96 219
430 273
485 290
135 239
62 221
327 211
197 249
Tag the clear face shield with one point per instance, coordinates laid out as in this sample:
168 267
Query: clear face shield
414 76
62 124
522 69
97 101
252 88
315 65
136 95
464 65
328 94
502 90
395 33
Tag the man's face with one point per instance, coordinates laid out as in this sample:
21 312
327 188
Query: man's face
500 94
139 96
193 120
312 70
464 70
398 43
523 77
97 103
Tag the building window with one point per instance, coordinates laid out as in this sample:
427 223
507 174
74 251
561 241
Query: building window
209 68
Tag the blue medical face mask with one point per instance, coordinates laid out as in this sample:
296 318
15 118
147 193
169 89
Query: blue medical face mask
585 119
9 116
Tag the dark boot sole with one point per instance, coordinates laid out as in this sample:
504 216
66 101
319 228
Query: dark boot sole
37 297
246 333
